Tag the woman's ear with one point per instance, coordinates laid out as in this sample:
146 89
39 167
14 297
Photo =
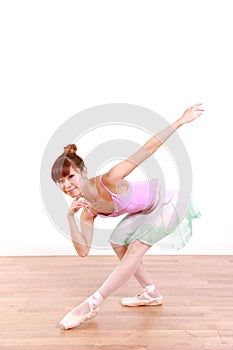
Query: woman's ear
84 172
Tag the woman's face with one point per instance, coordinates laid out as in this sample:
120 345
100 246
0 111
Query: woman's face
70 184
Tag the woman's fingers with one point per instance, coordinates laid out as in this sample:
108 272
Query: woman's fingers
77 204
198 114
197 109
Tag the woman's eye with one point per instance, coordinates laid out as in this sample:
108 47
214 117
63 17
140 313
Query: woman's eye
60 182
70 176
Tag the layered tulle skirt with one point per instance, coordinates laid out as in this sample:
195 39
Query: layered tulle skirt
168 224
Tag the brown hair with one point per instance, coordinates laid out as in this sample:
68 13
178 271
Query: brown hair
67 159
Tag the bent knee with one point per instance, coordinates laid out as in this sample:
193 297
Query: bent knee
137 248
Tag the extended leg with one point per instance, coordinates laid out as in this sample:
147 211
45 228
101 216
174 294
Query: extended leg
126 268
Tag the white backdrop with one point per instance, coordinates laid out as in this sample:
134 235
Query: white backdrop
61 57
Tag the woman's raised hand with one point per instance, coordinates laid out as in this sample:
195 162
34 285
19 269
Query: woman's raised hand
75 206
192 113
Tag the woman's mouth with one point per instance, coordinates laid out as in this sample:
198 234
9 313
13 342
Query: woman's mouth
70 190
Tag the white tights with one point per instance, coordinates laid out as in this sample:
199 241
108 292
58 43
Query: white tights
130 264
141 274
127 267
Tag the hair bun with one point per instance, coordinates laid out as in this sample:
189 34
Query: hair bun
72 148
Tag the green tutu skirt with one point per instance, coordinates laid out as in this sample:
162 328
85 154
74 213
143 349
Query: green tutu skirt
169 224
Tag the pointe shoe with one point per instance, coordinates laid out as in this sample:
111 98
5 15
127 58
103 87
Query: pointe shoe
71 320
142 300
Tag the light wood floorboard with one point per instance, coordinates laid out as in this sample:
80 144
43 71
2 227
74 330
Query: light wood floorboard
197 314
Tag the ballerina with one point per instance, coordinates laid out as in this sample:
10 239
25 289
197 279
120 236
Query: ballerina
151 216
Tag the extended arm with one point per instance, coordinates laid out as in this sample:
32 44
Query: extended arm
124 168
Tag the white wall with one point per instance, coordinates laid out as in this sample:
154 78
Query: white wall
61 57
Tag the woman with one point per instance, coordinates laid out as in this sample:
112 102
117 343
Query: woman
151 215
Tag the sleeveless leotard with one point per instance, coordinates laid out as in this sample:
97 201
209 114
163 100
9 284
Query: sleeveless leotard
158 215
140 195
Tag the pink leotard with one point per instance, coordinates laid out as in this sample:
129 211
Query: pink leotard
141 195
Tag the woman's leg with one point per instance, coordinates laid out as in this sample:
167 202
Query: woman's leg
124 270
141 274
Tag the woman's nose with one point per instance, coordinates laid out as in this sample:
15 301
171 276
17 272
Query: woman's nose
67 183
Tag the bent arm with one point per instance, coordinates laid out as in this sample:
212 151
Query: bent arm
82 240
124 168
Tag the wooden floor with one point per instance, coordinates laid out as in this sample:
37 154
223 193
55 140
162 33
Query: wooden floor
197 312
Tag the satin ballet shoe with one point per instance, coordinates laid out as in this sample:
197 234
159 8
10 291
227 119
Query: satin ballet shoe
71 321
142 300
